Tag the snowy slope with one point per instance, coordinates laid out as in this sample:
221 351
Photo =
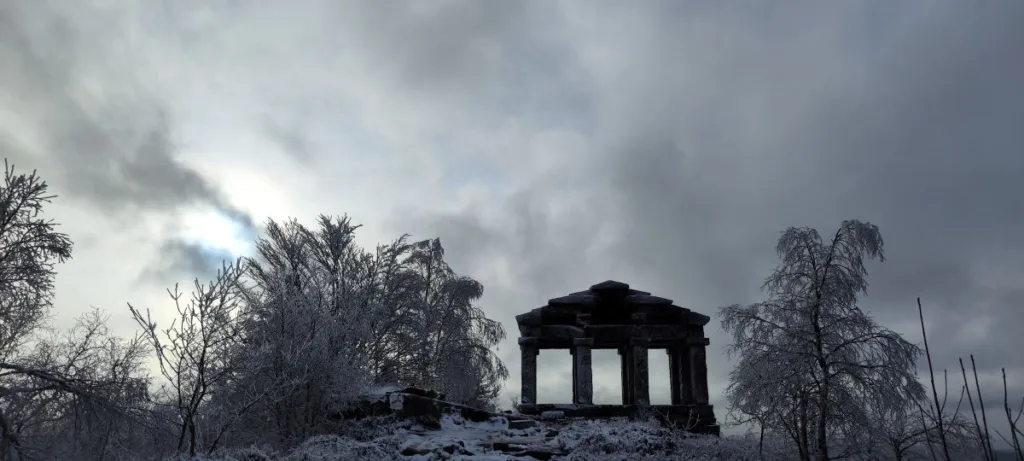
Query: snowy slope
454 438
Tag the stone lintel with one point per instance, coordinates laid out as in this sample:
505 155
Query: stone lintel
676 347
640 342
529 341
574 299
583 342
698 341
608 334
655 343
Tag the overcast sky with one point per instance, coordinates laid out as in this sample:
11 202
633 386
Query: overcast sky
550 145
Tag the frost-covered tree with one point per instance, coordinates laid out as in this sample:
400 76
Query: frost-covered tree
54 387
454 352
300 331
30 248
330 319
103 414
809 357
897 431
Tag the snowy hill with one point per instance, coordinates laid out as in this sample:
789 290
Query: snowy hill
453 437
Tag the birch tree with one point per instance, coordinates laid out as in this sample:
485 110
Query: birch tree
455 335
811 341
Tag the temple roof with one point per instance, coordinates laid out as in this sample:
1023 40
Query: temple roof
611 303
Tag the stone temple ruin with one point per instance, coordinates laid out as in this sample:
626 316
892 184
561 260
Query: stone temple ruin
610 315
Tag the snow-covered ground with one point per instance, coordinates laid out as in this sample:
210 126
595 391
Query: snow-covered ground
454 438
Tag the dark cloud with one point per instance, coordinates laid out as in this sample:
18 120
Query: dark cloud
441 47
114 153
116 173
710 128
180 261
924 142
721 127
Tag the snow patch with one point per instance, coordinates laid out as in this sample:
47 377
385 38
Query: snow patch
380 393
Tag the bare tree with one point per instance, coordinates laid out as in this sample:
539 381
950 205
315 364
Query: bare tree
1015 432
937 408
826 350
194 351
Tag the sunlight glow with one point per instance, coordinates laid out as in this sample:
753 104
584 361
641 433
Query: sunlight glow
214 230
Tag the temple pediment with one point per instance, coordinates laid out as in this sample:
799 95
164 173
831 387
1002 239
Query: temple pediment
609 303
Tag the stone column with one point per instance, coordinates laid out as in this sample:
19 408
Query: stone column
575 373
673 374
641 391
583 374
685 388
528 347
699 370
626 365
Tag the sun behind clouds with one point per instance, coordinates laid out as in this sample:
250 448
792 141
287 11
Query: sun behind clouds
216 231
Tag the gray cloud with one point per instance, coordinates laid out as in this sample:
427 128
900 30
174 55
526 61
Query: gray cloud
665 144
291 139
718 127
185 261
444 47
108 137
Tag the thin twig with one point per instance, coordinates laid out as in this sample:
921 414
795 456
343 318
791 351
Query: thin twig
981 403
1009 418
974 413
935 392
